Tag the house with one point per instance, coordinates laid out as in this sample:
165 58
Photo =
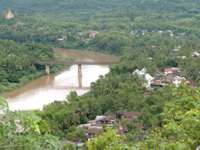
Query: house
61 39
92 34
150 58
148 78
171 33
140 73
157 83
122 129
191 83
144 75
105 119
198 148
95 127
9 15
171 70
3 110
175 49
102 120
171 76
195 54
19 126
178 80
130 115
85 126
93 131
181 57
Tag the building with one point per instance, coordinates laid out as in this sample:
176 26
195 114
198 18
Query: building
62 39
144 75
140 73
105 119
178 80
9 15
181 57
96 127
172 70
148 79
92 34
130 115
195 54
93 131
157 83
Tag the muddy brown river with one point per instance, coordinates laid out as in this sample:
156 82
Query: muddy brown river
47 89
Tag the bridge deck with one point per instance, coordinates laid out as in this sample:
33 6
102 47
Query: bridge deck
78 62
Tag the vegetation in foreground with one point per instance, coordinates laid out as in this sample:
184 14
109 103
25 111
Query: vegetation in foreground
171 120
145 34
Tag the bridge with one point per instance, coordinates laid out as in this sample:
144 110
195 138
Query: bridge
79 63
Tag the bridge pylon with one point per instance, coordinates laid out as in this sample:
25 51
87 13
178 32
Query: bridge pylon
80 76
47 69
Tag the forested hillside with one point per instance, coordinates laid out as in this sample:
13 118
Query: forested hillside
17 62
153 36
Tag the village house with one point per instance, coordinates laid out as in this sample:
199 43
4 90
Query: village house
181 57
92 34
195 54
3 110
92 131
95 127
172 70
105 119
160 32
130 115
171 33
62 39
171 76
191 83
198 148
19 126
144 75
173 79
156 83
178 80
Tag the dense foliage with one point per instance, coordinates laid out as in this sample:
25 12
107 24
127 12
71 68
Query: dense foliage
24 131
152 34
17 62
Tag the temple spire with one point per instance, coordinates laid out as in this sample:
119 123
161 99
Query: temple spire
9 14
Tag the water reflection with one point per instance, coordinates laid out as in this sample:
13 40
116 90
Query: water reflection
47 89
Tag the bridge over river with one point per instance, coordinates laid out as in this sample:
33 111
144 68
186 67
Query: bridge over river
79 64
86 67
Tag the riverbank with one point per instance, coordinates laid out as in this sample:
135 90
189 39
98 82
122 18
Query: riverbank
48 88
24 80
28 78
83 55
60 54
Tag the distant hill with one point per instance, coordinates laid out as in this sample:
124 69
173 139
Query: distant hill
73 6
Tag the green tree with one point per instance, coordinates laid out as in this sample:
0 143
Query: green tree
109 140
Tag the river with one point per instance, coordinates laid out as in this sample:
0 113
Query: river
48 89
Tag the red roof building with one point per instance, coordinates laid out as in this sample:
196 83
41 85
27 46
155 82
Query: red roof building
130 115
172 70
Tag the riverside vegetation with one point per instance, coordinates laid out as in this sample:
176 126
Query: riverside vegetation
144 34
